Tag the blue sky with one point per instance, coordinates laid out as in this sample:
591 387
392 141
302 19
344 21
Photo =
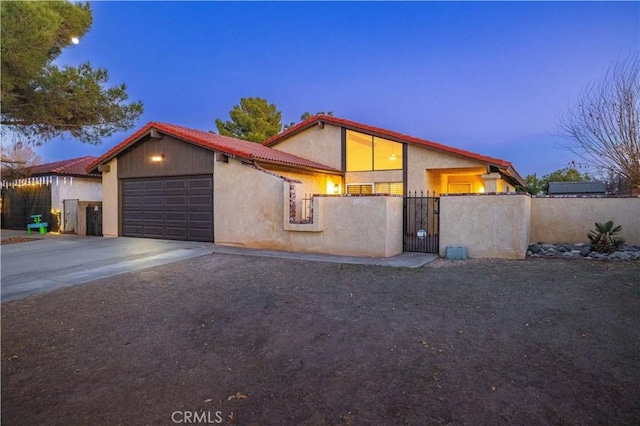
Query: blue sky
491 77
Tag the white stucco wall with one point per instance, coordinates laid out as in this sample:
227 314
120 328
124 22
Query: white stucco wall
322 145
491 226
250 210
82 189
568 220
420 159
110 200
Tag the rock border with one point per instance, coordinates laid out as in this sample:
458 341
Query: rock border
581 251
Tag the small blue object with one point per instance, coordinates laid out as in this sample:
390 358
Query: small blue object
456 253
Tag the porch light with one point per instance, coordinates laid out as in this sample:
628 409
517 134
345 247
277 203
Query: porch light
332 188
393 156
157 158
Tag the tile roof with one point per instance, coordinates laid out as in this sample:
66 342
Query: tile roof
230 146
71 167
389 134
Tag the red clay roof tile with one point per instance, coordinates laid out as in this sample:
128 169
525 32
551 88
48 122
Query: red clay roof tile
71 167
231 146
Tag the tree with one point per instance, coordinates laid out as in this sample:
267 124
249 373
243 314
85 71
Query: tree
604 126
306 115
16 159
41 100
537 186
253 120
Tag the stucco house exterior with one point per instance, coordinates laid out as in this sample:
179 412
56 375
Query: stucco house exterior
172 182
376 160
54 190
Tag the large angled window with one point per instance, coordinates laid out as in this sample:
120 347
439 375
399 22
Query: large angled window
368 153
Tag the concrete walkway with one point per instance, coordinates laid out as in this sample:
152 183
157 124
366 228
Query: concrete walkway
53 261
404 260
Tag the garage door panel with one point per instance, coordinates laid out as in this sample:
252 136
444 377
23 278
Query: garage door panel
159 216
200 183
153 184
176 232
133 185
151 200
199 200
133 200
176 200
174 184
200 217
180 216
133 230
178 208
198 234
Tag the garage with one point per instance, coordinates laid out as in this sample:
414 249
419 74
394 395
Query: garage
174 208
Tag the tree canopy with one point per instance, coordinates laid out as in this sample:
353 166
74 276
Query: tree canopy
305 115
603 127
254 120
16 158
41 100
537 186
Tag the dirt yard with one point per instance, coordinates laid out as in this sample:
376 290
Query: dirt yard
255 341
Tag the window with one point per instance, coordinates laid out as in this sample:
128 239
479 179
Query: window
394 188
358 189
368 153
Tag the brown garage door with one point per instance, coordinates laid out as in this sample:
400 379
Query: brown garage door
173 208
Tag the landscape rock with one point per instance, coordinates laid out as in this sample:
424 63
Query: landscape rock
535 248
581 251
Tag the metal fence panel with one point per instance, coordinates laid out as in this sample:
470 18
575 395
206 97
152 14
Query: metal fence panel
421 223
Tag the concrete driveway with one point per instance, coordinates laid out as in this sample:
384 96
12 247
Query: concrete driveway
60 261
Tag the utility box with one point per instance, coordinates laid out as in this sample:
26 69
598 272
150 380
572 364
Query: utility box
456 253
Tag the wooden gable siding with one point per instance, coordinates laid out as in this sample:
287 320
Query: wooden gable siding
180 158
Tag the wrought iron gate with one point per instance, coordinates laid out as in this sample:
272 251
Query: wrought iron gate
421 222
94 221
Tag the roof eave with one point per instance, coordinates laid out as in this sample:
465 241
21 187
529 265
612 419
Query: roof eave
297 166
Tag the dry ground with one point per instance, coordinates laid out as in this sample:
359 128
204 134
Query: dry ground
258 341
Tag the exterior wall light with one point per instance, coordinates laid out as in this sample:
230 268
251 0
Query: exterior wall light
332 188
157 158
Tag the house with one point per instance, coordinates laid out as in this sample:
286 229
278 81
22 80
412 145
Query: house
54 190
576 188
295 192
376 160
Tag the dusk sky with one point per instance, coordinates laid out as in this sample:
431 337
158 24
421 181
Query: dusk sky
492 78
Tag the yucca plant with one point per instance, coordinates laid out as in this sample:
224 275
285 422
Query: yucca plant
602 238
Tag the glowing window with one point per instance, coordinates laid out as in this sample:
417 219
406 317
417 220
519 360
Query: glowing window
367 153
394 188
357 189
387 155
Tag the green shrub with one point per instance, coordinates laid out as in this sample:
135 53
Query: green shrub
603 240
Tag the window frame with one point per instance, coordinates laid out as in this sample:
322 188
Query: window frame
372 137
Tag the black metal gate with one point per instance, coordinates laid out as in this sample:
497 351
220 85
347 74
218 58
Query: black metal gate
94 221
421 222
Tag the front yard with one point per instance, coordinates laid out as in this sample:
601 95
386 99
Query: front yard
259 341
